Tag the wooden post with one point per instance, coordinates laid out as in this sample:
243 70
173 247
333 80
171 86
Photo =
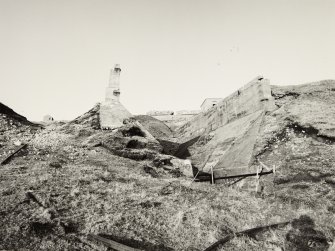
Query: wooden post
257 179
213 181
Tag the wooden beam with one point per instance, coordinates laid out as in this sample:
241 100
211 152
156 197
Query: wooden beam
249 232
238 172
213 179
112 244
10 156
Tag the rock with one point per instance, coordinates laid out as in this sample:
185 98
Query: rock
150 170
332 247
55 164
74 192
330 180
168 167
161 160
184 166
17 143
168 189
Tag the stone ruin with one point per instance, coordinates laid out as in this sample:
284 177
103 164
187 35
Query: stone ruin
232 123
228 131
48 119
112 112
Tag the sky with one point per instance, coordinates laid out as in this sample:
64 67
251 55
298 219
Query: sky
56 56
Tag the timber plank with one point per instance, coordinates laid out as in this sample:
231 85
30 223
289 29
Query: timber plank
10 156
249 232
112 244
238 172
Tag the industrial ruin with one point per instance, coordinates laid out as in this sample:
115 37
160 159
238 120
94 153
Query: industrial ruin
255 168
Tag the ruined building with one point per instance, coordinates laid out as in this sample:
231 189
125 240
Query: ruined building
113 88
112 112
48 119
230 129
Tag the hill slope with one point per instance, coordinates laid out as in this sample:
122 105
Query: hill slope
52 199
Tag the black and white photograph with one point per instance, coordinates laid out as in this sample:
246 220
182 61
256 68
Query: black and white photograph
167 125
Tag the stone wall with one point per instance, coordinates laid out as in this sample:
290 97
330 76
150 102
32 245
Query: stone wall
254 96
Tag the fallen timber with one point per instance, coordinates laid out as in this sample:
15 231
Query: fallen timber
11 155
249 232
242 172
110 243
239 172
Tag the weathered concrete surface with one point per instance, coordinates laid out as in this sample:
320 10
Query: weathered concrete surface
229 130
112 115
254 96
230 146
113 89
240 152
112 112
209 103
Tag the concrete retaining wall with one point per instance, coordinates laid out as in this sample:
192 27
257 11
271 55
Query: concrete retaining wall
254 96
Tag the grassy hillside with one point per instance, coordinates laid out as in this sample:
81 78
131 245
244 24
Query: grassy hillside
67 185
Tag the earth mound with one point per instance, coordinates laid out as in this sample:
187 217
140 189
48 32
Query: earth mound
15 130
157 128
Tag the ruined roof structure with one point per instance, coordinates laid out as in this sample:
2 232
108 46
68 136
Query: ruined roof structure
112 112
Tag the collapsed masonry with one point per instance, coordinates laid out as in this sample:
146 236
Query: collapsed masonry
227 133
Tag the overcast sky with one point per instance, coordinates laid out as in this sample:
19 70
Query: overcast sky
56 55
